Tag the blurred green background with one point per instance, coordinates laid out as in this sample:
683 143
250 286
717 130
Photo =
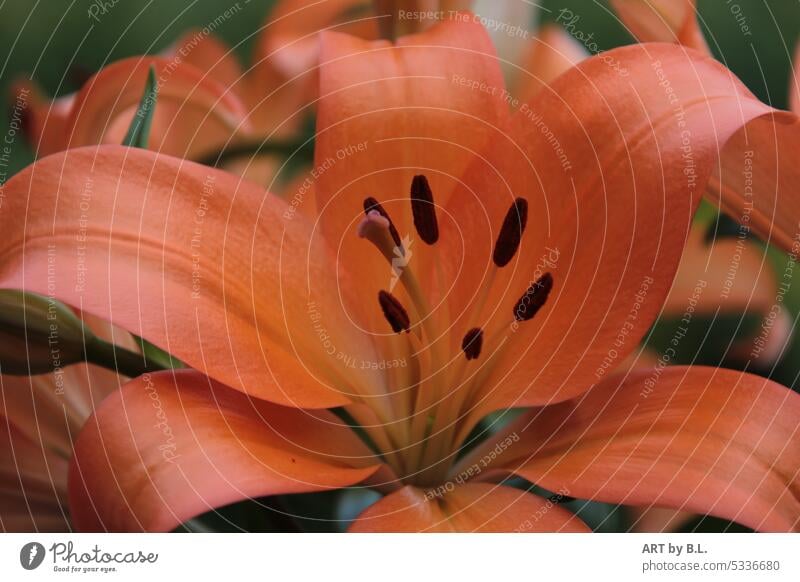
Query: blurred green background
58 44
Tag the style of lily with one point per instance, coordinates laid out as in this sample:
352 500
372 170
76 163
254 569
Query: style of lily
533 240
40 417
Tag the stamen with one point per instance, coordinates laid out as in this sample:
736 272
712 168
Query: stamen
394 312
371 204
424 210
472 343
534 298
511 232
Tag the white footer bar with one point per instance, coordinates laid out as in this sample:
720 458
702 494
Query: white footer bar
389 557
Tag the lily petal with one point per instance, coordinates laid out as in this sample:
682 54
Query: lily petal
551 53
192 104
207 53
32 484
45 121
290 39
658 519
388 112
759 153
734 276
274 104
203 265
614 193
168 447
50 409
706 440
774 218
379 93
731 276
40 416
662 21
473 507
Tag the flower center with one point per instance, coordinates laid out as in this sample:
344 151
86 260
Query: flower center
432 398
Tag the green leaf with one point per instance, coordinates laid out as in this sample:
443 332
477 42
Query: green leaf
156 356
139 131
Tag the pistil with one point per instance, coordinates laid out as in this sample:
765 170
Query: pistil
379 230
370 205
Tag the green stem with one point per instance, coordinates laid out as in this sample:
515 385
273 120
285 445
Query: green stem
118 359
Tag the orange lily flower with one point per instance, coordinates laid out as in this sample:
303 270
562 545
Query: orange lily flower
40 418
773 215
537 245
